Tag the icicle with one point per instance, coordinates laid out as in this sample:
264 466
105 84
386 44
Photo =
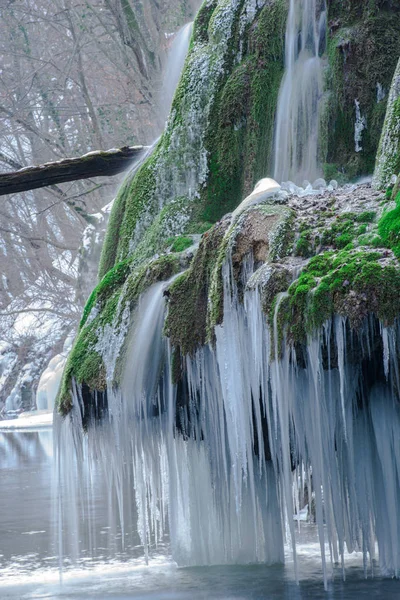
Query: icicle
256 441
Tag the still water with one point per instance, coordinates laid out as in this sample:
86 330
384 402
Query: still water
29 559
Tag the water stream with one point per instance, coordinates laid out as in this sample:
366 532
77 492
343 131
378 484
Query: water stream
175 62
299 102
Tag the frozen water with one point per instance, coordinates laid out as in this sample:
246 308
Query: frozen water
228 459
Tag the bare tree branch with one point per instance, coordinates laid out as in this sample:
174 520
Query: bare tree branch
94 164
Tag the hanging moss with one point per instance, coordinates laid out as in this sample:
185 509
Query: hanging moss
239 139
363 49
348 283
186 322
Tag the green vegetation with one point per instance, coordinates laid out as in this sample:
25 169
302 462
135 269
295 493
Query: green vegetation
107 286
362 52
389 228
351 283
239 136
304 245
200 27
119 288
180 243
186 322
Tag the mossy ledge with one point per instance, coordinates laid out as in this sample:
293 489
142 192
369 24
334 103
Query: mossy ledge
196 298
351 283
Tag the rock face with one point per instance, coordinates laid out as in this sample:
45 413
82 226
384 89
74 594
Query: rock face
216 146
363 50
388 159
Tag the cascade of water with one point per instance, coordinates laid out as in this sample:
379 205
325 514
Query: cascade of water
298 114
174 66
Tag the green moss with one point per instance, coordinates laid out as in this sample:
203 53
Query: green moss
343 240
239 139
304 246
186 322
389 229
341 232
180 243
201 23
396 190
366 217
160 269
110 282
350 283
141 192
198 227
120 287
84 362
362 52
110 246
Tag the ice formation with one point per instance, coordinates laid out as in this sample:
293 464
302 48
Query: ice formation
228 457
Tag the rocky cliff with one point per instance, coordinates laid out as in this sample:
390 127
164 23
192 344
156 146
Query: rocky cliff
217 144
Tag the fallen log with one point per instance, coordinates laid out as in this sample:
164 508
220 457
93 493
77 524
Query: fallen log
94 164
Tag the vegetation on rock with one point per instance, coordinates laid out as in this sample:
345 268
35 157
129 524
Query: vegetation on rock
388 158
363 49
217 144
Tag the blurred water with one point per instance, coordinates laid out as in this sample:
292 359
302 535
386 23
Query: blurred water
28 562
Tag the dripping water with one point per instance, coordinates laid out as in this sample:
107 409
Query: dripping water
299 102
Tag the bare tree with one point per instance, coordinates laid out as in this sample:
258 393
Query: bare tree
75 76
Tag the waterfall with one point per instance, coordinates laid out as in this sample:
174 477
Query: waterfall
174 66
298 112
257 428
224 459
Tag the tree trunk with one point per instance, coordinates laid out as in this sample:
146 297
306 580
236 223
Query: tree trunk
93 164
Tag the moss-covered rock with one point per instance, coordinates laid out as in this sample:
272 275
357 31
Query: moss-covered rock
219 135
216 145
388 158
186 323
240 135
363 49
350 283
112 302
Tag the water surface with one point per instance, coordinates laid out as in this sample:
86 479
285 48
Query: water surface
29 563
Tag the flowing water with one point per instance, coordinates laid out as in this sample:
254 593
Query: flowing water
299 103
173 70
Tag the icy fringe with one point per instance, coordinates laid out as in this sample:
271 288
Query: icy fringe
226 458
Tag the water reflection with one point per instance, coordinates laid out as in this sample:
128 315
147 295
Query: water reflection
25 498
28 562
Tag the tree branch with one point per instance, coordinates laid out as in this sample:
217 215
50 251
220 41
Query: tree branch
93 164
